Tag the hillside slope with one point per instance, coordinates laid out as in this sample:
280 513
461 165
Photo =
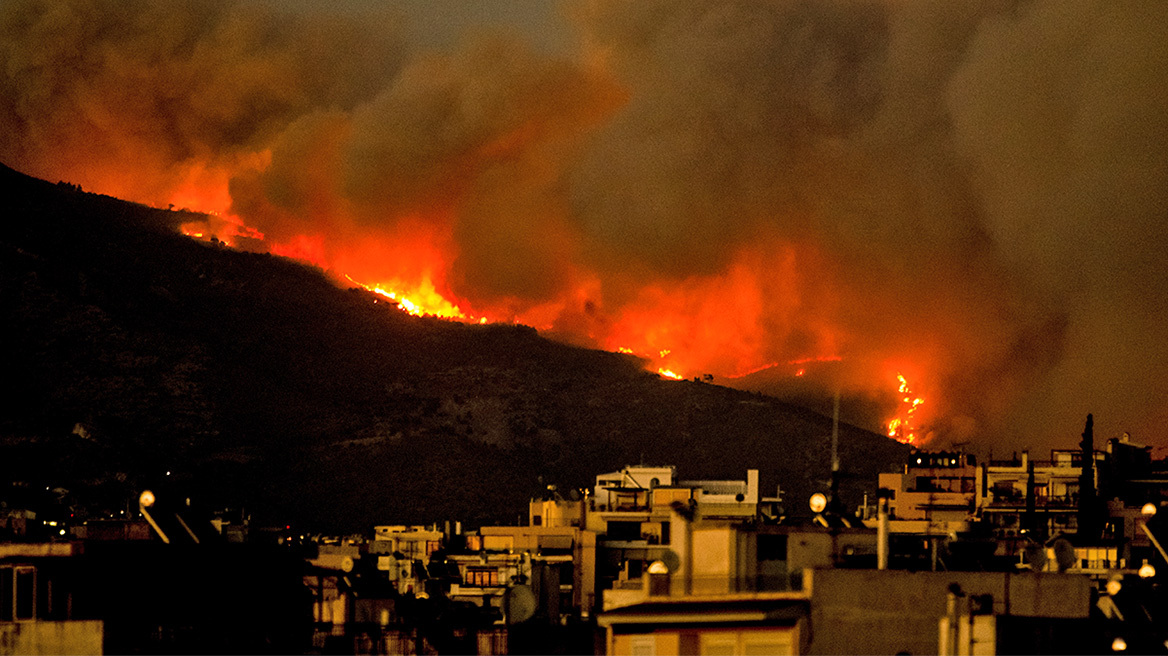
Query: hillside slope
132 351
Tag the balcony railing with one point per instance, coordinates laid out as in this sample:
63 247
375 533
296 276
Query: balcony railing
1018 500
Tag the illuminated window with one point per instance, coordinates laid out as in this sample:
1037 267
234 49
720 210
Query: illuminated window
481 577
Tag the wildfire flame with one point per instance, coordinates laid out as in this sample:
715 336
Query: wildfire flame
677 329
423 300
903 426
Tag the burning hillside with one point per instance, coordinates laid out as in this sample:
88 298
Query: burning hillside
939 192
138 357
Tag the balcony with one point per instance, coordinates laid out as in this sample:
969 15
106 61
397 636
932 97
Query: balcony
1014 500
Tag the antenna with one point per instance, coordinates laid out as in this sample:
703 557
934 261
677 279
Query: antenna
835 500
835 434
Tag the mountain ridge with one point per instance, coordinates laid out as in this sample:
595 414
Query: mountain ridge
257 381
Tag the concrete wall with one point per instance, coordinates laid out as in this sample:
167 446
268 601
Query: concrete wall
888 612
35 638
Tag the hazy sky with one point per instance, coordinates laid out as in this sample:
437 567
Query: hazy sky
442 23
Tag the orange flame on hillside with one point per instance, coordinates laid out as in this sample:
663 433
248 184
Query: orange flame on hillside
903 426
713 323
421 301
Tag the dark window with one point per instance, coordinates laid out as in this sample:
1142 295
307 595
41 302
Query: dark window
772 547
926 484
635 569
536 520
665 532
624 530
6 594
25 587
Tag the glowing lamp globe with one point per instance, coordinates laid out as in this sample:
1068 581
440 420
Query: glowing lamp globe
146 499
818 502
1114 585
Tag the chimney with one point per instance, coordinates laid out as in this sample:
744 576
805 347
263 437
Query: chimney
752 486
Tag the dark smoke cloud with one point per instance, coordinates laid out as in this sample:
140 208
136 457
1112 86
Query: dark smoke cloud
125 94
974 189
471 142
824 123
1061 110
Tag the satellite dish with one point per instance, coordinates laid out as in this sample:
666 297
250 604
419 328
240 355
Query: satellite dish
520 604
347 564
1064 554
670 559
1034 555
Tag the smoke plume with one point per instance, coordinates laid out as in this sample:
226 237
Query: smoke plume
971 194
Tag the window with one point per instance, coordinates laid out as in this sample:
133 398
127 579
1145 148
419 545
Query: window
1005 491
17 593
635 567
624 531
25 592
481 577
642 646
719 645
772 547
925 484
7 594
